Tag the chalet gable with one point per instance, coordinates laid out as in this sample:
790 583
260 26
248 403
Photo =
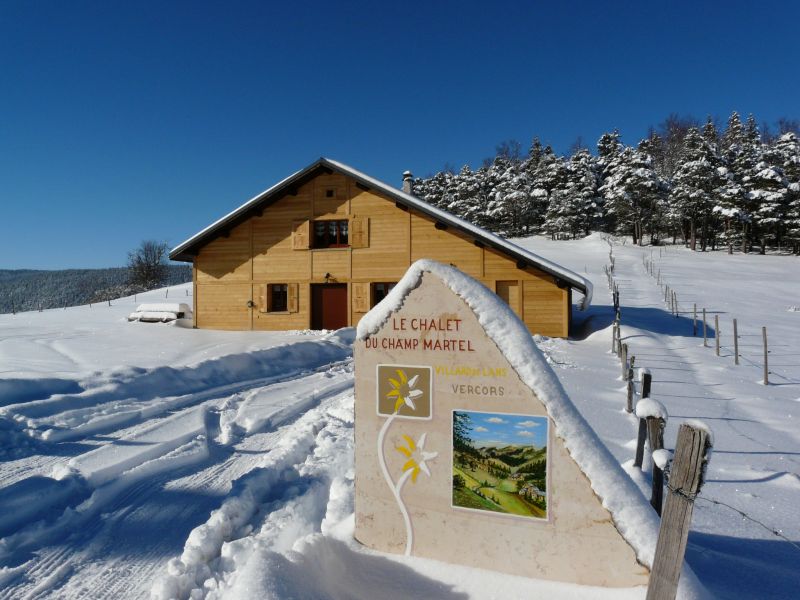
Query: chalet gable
256 206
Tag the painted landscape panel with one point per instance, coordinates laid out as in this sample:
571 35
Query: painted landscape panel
500 463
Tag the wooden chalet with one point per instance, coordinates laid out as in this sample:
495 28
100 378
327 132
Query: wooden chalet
319 249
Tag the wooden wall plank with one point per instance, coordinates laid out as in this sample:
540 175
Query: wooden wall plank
223 306
446 246
226 258
331 207
335 261
385 257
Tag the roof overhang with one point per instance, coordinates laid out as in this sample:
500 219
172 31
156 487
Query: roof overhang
187 250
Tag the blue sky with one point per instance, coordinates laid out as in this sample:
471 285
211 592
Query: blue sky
127 121
500 429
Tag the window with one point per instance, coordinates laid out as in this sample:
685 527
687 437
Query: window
379 291
277 297
331 234
330 193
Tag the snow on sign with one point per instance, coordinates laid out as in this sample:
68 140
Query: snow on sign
469 451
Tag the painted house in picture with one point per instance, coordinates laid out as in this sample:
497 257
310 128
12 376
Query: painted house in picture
322 247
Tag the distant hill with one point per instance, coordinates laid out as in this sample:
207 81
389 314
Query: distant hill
22 290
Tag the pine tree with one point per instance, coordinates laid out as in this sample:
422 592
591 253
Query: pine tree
695 183
467 201
739 150
764 185
710 134
542 180
769 195
608 149
746 170
583 185
631 191
788 150
510 202
710 221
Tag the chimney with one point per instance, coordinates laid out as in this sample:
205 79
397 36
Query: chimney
407 177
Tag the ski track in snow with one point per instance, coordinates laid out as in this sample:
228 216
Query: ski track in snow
111 540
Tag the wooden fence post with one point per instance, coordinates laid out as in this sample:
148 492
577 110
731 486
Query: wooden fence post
685 481
614 337
766 358
629 402
675 303
735 343
705 332
716 333
641 435
624 361
694 320
647 382
655 416
655 435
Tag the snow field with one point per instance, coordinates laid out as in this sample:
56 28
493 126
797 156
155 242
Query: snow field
90 451
754 465
133 393
291 485
159 449
149 459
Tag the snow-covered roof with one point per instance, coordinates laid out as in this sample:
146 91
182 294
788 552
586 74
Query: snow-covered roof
186 250
632 514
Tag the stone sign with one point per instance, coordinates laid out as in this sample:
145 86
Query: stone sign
457 458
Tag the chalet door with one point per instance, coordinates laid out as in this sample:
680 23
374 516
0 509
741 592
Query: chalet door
328 306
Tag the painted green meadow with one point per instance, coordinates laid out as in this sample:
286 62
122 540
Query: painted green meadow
500 463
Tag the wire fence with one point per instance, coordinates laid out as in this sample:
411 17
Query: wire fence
747 346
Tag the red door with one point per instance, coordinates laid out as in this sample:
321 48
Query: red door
328 306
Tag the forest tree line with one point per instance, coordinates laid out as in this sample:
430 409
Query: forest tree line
23 290
736 187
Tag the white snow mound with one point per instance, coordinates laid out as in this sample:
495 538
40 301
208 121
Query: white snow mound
648 407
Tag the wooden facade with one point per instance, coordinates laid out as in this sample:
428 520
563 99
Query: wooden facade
262 271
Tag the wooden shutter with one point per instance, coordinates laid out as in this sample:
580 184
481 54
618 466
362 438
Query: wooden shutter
359 232
300 235
292 297
360 297
263 306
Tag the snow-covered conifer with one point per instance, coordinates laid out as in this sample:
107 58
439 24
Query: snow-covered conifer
695 183
787 150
